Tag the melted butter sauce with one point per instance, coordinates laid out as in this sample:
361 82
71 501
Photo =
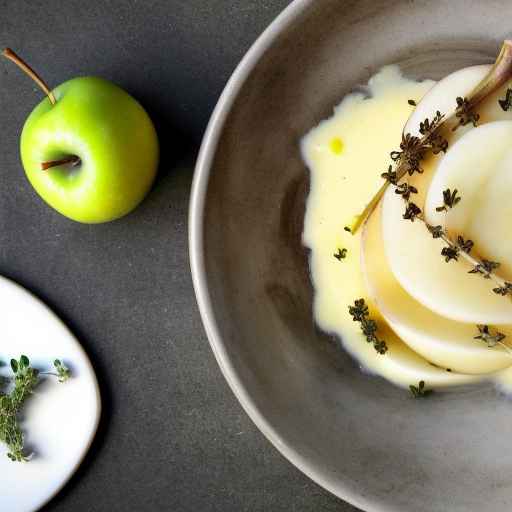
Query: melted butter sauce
346 154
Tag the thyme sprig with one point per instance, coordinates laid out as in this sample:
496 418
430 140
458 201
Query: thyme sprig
340 254
25 379
506 102
419 391
360 313
465 113
491 338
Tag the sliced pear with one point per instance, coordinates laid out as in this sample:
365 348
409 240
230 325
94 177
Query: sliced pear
479 166
413 255
442 341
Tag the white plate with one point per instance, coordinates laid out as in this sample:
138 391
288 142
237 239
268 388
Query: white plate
60 420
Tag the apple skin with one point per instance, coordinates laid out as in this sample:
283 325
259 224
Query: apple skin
112 135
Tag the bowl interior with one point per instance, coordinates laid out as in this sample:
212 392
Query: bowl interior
357 435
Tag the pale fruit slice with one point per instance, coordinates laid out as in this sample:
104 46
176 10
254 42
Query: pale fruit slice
479 166
442 341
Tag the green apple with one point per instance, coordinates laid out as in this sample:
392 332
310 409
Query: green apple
109 137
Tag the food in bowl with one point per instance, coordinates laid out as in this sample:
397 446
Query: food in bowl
419 285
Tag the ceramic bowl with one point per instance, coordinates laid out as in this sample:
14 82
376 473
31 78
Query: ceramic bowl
356 435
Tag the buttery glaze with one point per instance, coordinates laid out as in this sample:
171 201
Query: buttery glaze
346 155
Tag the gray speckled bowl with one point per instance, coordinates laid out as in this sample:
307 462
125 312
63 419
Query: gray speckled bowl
359 437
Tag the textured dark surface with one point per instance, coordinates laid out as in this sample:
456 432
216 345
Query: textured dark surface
172 436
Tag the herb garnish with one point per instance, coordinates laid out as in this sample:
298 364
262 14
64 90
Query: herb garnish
390 175
450 199
485 268
465 245
492 339
25 380
359 312
341 254
465 113
413 149
506 289
435 231
499 74
419 391
506 103
63 372
412 211
405 190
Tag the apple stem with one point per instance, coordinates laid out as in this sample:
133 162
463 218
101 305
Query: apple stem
8 53
73 160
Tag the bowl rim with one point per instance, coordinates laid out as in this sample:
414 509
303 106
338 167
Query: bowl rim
199 187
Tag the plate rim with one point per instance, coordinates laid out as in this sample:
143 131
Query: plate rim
199 187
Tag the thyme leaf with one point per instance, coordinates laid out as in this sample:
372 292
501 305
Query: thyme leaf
435 231
419 391
63 372
341 254
485 267
25 380
450 252
450 199
360 313
465 245
506 289
506 102
390 175
405 190
485 334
